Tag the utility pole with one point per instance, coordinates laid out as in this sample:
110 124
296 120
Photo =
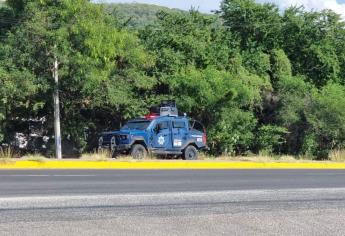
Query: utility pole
57 129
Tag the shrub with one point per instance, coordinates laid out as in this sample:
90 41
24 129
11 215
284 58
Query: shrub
270 138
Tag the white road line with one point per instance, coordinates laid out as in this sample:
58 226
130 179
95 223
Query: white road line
47 175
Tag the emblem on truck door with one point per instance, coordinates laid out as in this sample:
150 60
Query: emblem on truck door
161 140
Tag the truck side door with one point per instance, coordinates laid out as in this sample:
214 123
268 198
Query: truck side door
161 137
179 133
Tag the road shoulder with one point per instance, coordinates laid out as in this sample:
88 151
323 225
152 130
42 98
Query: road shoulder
161 165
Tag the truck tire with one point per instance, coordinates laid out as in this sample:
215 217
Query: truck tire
138 152
190 153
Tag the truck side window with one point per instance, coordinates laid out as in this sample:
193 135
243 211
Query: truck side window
163 125
197 126
179 124
193 124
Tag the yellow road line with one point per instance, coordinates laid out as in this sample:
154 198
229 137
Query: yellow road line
166 165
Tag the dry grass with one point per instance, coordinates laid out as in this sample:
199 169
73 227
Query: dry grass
337 156
129 158
100 155
35 157
256 158
105 155
6 154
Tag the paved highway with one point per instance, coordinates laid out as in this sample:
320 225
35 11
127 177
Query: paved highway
203 202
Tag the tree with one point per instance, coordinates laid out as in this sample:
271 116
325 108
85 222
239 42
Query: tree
97 63
312 41
257 78
327 118
256 25
136 15
198 64
294 100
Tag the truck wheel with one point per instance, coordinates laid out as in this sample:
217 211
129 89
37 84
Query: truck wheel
190 153
138 152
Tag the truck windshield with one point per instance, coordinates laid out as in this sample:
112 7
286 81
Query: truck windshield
139 125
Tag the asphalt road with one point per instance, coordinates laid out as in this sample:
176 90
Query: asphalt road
203 202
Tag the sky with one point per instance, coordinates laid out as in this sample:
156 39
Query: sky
208 5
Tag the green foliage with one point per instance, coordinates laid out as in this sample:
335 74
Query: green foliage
310 145
259 79
233 132
271 138
92 54
198 65
294 98
257 25
180 40
257 62
312 43
327 117
136 15
281 65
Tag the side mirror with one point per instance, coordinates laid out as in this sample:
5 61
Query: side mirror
156 129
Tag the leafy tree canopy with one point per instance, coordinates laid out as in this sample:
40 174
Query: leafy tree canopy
258 78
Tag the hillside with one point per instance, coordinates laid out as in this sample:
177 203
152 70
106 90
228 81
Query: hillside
135 14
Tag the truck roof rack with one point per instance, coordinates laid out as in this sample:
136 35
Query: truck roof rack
166 108
169 111
168 103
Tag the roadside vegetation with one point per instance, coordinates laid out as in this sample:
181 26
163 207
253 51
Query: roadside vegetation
337 156
262 81
102 155
106 157
6 155
35 157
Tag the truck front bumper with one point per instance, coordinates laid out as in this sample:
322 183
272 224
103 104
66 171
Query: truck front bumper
123 147
117 148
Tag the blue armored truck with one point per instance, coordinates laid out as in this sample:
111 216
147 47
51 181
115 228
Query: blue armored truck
165 133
